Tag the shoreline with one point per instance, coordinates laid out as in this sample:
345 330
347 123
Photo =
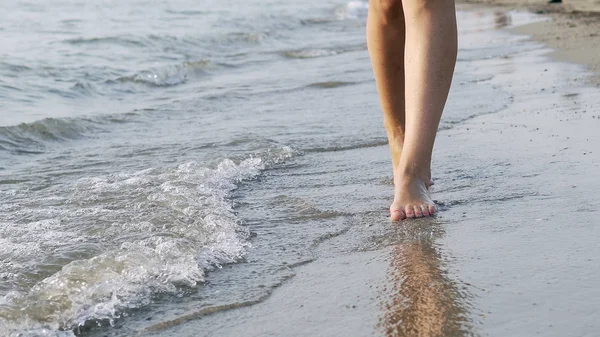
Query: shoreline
573 31
445 274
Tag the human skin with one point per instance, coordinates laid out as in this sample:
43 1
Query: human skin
413 47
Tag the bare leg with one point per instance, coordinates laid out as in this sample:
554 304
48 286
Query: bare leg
430 57
428 30
385 38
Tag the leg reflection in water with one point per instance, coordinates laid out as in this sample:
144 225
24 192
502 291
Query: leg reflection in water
420 299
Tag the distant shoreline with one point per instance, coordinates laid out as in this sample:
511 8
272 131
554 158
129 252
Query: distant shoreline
573 31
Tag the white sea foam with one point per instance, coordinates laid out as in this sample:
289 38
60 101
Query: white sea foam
309 53
352 10
142 234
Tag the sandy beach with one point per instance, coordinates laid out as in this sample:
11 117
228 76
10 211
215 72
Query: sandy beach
572 30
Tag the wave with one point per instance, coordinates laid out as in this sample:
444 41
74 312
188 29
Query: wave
369 144
352 10
16 68
330 84
167 228
216 47
308 53
160 42
118 40
190 12
84 88
167 76
36 137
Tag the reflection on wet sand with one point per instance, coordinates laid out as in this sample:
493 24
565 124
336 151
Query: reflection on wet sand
420 300
501 19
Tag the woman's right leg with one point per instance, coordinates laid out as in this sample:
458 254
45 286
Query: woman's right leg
429 60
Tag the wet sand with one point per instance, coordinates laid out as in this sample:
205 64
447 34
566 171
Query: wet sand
512 253
572 31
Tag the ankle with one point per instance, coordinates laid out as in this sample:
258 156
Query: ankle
410 173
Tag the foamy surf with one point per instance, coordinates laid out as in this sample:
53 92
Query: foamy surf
143 234
352 10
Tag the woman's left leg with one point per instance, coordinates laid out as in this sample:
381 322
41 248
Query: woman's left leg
385 39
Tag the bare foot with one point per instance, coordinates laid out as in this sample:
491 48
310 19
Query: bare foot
411 199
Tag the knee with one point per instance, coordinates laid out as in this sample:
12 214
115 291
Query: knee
389 11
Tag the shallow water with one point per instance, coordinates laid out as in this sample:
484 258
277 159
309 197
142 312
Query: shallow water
162 158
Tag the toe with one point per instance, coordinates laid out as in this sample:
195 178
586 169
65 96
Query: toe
432 209
410 212
397 214
425 210
418 212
